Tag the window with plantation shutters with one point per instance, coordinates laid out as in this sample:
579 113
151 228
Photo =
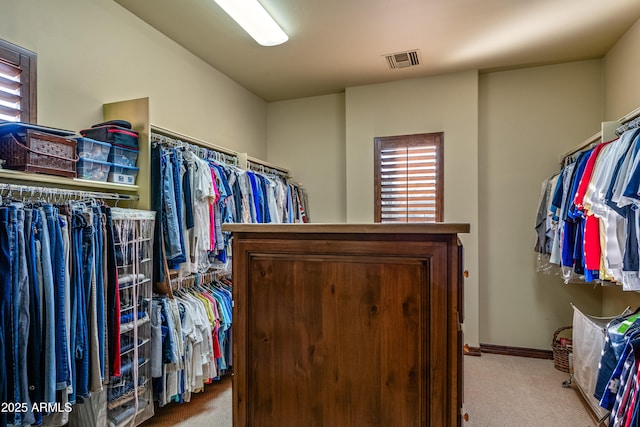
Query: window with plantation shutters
17 83
409 178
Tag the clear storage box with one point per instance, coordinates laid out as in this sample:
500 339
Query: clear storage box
123 174
123 156
92 149
93 170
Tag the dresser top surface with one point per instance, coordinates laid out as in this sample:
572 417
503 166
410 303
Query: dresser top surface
403 228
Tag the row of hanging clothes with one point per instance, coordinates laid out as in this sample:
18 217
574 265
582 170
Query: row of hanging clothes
58 282
588 217
196 190
191 337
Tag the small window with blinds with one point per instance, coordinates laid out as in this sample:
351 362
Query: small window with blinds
409 178
17 84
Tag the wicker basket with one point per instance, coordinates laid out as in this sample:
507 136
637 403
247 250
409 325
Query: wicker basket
39 152
560 352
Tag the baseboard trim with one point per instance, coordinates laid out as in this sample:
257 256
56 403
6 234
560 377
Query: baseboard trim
472 351
516 351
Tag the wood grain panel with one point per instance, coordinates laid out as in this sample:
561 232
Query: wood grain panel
326 328
346 329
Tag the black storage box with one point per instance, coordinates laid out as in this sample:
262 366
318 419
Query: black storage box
115 135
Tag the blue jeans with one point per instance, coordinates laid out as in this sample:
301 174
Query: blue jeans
169 205
22 316
177 187
49 319
35 361
7 248
169 346
157 205
63 374
87 273
79 331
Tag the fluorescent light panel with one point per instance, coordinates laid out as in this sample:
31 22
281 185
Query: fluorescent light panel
255 20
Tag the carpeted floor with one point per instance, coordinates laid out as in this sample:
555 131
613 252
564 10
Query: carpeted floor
506 391
500 391
212 408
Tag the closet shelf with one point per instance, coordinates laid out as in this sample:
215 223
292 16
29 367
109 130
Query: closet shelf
140 344
125 266
134 283
9 174
129 242
142 389
128 327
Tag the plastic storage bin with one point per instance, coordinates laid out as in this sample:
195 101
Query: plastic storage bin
93 150
93 170
123 156
122 174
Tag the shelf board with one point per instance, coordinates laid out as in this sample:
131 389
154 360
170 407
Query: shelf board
48 180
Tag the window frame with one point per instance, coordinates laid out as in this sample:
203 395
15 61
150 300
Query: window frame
434 139
25 60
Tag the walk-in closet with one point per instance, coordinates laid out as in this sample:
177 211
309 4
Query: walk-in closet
412 213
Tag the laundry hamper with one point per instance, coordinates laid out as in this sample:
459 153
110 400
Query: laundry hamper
588 341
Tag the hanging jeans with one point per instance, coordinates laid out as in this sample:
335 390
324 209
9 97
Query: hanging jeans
63 373
176 164
35 360
157 205
65 227
169 205
88 278
79 332
21 316
49 320
7 250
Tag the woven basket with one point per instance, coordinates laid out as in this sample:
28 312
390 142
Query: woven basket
560 353
39 152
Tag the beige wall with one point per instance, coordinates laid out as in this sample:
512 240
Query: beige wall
446 104
621 83
308 135
528 119
328 141
95 52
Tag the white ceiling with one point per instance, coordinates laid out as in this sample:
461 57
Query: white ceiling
335 44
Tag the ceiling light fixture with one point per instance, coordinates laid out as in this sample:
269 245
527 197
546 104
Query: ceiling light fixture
255 20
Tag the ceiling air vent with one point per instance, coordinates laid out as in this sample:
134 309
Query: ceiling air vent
407 59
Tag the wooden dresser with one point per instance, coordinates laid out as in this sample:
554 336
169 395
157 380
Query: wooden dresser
347 325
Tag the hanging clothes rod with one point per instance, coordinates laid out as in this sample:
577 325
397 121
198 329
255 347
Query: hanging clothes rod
260 166
199 147
33 191
202 152
157 131
629 121
587 143
195 278
630 116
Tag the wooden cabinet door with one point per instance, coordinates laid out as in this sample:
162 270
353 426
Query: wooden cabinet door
342 334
